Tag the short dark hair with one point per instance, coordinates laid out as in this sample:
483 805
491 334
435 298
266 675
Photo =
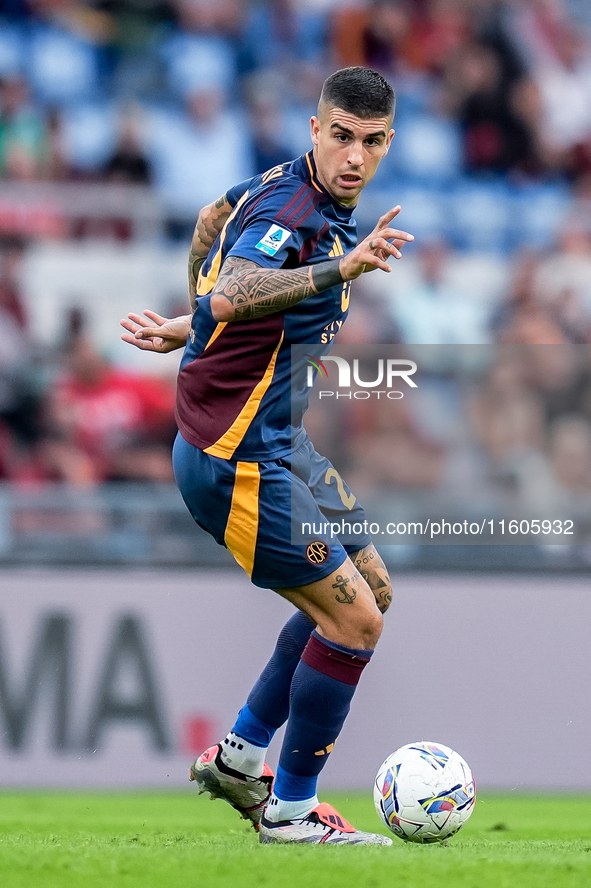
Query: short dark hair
359 91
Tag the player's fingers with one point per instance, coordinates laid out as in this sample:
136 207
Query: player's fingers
148 332
387 217
135 321
381 246
129 325
371 261
393 234
383 255
145 345
138 320
155 318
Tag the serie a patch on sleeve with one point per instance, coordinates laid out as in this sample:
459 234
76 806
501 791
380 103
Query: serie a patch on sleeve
273 240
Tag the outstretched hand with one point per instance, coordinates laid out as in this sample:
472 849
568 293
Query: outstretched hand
155 333
376 249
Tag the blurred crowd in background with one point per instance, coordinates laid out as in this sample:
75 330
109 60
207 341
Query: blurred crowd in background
490 432
114 112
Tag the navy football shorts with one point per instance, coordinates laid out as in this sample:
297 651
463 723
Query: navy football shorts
249 507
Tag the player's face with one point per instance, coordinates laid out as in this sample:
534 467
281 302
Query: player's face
348 150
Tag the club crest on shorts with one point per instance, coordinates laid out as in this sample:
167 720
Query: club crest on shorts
317 552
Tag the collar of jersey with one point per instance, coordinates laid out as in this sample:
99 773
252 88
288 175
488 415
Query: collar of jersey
311 172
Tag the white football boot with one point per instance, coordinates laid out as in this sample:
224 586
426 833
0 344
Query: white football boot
322 826
248 795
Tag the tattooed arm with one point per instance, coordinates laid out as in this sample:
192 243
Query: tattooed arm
245 290
209 224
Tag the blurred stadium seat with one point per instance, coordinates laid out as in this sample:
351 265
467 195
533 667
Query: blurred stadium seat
89 133
479 214
196 61
538 213
12 50
61 67
427 147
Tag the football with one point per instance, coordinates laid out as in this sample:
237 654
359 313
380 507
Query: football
424 792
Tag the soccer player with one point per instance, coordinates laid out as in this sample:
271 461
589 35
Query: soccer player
271 265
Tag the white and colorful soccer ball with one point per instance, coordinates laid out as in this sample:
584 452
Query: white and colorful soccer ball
424 792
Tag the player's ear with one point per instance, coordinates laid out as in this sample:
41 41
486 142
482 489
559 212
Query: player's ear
389 138
314 129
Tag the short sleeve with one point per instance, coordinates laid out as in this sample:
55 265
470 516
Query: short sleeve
236 192
268 235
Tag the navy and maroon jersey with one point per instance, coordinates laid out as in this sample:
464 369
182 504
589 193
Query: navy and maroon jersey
234 391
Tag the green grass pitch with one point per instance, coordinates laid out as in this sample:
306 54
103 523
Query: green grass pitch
144 840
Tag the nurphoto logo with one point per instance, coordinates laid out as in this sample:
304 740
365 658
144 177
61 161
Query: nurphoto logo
388 372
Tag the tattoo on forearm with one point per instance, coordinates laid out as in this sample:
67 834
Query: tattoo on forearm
255 292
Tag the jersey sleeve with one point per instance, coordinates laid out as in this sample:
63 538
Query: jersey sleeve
275 226
236 192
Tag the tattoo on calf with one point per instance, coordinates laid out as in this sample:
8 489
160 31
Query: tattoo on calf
381 590
365 557
376 576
